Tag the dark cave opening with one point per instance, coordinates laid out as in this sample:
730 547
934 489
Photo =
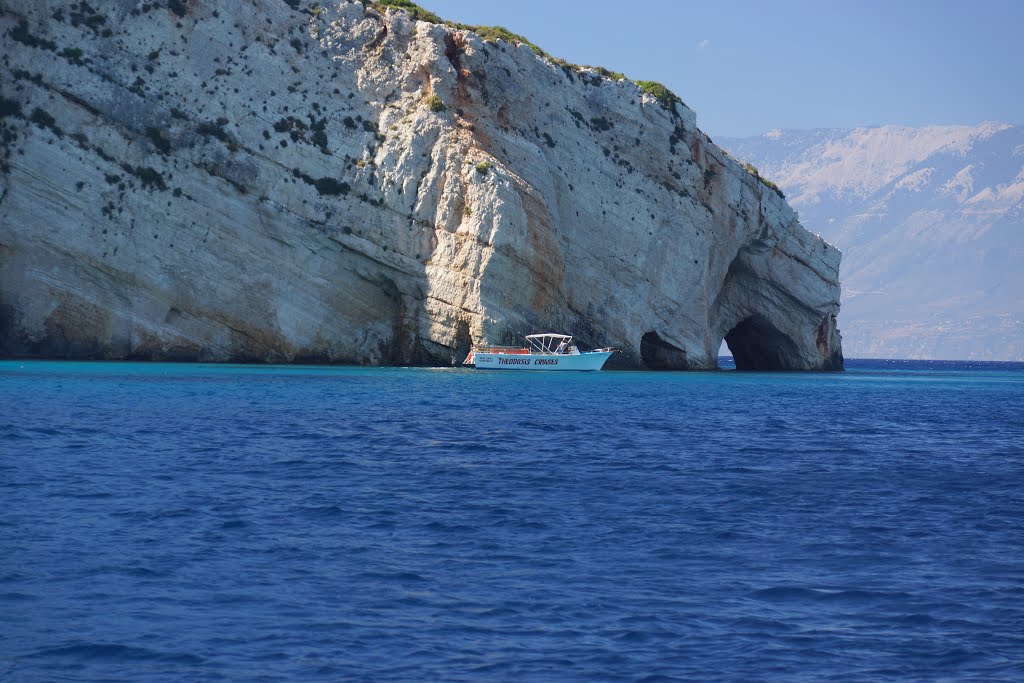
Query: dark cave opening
756 344
658 354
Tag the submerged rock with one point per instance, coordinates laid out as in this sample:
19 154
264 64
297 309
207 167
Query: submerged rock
214 181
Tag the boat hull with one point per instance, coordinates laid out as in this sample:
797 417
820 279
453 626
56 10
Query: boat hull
589 360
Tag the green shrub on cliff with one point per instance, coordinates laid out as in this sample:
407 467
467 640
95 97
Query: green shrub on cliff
412 8
42 118
496 33
22 34
664 95
614 75
326 187
9 108
488 33
752 170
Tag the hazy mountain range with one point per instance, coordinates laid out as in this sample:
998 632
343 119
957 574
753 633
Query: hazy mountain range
931 224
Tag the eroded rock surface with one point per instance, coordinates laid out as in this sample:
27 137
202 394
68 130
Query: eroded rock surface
245 181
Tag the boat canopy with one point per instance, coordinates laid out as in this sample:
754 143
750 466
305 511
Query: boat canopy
549 343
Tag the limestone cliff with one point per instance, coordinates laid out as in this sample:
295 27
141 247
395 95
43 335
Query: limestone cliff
930 220
249 181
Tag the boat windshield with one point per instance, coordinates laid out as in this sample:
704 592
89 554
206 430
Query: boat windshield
549 343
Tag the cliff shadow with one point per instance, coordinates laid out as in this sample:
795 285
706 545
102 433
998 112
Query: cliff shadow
658 354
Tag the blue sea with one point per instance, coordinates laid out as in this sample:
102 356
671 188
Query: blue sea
164 522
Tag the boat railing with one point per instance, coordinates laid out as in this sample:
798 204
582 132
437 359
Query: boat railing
543 347
549 344
500 349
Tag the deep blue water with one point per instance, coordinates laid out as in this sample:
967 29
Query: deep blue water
185 522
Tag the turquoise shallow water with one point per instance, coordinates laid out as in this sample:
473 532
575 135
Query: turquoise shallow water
196 522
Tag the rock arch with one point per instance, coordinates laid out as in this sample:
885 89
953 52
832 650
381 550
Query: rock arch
756 344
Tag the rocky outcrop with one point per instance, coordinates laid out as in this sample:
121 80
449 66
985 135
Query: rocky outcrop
930 221
215 181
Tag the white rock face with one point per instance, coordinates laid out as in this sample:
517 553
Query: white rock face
217 182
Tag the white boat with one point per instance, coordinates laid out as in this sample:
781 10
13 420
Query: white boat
543 352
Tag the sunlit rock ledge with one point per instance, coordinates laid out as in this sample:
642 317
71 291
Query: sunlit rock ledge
244 181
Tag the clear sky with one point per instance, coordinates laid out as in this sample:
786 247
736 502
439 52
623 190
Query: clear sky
749 66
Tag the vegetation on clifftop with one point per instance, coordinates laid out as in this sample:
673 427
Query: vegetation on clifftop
659 91
664 95
412 8
488 33
495 33
752 170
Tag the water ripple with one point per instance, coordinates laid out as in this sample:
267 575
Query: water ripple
166 523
